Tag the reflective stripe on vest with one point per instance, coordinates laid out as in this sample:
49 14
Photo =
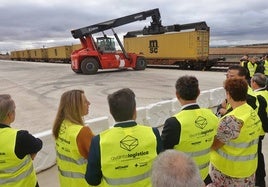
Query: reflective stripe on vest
236 158
242 145
203 166
19 177
198 153
71 174
80 161
16 168
129 180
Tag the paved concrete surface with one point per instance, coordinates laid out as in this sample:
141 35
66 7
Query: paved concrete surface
37 87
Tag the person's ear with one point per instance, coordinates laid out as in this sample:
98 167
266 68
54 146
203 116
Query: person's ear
177 95
227 96
134 115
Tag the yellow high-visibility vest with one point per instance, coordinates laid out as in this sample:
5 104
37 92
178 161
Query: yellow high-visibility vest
198 128
266 67
14 172
127 155
71 165
263 93
238 157
251 68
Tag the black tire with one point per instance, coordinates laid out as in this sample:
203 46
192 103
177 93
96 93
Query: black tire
77 71
89 66
141 63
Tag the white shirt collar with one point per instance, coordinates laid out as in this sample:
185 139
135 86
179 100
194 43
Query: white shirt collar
263 88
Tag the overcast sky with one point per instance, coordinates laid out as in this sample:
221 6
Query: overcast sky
26 24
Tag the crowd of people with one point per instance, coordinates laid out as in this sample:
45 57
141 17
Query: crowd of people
196 147
254 65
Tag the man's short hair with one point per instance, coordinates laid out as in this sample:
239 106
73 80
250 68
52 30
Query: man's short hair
173 168
122 104
242 71
260 79
7 105
187 87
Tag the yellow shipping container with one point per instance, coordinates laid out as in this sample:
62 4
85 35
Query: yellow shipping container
38 54
59 53
15 55
25 54
76 47
192 45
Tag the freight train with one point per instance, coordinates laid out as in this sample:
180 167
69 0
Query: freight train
154 45
51 54
186 50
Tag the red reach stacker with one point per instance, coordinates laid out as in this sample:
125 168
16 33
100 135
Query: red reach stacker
102 54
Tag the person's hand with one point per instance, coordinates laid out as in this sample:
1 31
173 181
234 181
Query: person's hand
222 111
224 104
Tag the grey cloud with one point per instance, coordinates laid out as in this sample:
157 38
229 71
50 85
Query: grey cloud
26 23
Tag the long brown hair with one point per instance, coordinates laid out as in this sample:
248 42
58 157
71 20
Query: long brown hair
70 108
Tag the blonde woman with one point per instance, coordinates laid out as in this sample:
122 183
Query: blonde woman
72 137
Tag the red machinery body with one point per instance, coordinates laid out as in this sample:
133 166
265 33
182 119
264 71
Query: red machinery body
96 59
102 54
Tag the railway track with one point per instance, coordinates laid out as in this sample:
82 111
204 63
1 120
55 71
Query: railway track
220 66
223 65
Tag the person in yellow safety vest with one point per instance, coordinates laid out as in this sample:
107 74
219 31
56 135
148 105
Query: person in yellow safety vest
252 66
237 71
72 138
234 156
258 84
244 60
175 168
244 63
191 130
265 64
18 149
123 155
